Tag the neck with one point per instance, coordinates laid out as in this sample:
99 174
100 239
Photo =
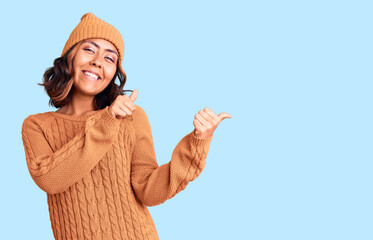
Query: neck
80 105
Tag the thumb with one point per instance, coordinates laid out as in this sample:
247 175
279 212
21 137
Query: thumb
224 115
133 95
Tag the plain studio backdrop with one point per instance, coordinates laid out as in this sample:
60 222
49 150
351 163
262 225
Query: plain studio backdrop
295 160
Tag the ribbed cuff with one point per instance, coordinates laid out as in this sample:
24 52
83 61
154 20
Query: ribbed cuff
201 142
108 118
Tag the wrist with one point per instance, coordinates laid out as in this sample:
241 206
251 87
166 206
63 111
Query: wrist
201 135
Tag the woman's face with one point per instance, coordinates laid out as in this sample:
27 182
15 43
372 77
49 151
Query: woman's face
95 64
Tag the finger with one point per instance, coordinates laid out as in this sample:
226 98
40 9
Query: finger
207 117
130 105
120 113
134 95
211 113
203 121
197 125
224 115
126 110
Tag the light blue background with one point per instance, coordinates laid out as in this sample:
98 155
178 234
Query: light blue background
295 160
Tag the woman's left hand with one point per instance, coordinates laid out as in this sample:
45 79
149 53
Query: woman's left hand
206 121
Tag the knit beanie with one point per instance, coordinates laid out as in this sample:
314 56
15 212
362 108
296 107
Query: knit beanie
91 26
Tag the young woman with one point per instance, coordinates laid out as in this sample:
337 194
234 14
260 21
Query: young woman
94 156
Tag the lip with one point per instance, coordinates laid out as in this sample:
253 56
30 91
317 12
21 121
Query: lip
100 78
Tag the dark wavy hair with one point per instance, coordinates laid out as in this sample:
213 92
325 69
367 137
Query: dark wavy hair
58 84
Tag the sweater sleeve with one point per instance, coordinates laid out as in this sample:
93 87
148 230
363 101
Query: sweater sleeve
155 184
55 171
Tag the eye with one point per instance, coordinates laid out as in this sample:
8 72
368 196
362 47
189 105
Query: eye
111 59
89 50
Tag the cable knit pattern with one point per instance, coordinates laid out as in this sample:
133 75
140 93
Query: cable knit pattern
100 173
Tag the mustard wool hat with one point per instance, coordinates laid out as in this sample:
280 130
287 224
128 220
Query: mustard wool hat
91 26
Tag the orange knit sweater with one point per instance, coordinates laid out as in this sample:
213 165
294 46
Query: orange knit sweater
100 173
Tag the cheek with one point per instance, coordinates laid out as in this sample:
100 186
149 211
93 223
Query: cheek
111 71
77 62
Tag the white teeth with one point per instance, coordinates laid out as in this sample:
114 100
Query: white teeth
91 74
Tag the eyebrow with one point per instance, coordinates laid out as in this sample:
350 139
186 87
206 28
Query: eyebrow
109 50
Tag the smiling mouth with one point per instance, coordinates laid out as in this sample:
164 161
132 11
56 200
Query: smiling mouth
91 76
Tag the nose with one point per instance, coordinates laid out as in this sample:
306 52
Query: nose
96 62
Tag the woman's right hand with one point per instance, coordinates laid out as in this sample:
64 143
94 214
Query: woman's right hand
123 105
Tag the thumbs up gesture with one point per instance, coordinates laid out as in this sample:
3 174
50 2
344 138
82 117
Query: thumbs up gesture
206 121
123 105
